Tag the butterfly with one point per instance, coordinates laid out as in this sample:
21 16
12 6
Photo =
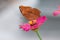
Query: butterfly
29 13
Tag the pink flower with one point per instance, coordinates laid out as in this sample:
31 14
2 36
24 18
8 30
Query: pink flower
57 12
39 22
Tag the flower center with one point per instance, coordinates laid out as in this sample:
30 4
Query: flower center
33 22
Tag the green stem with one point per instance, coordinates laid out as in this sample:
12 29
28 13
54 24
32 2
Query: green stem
38 34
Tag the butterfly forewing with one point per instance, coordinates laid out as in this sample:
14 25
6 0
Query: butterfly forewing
29 12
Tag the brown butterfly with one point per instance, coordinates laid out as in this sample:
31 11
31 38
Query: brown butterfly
29 12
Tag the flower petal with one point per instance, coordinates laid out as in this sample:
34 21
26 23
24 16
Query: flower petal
41 20
25 27
34 27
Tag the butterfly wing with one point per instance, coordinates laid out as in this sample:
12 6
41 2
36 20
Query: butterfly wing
29 12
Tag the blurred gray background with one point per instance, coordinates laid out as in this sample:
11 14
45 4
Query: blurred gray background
11 18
